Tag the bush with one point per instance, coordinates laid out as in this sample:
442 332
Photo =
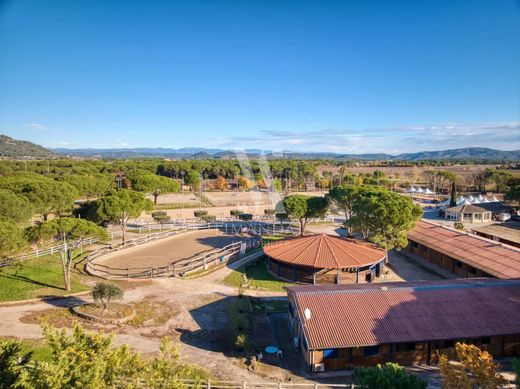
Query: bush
242 342
269 212
236 212
159 213
161 217
458 226
200 213
104 292
282 216
389 376
245 217
209 218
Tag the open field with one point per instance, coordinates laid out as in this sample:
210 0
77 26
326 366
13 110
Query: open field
36 277
413 173
166 251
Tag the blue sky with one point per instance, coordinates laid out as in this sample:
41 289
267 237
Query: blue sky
345 76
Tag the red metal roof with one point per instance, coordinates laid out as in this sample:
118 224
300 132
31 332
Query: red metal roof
324 252
367 314
487 255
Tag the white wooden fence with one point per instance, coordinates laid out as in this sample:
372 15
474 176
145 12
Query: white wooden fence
210 384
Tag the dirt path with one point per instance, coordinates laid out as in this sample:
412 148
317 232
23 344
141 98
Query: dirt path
192 302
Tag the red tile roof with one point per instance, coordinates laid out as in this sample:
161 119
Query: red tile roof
367 314
487 255
324 252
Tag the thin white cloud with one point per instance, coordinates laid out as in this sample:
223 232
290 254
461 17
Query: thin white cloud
500 135
36 126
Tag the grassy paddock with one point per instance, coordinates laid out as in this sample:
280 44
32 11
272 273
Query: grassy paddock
40 351
258 277
37 277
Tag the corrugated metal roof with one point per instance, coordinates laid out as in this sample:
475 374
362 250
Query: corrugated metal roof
366 314
324 252
487 255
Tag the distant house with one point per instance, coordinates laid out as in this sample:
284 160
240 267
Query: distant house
480 213
461 253
339 327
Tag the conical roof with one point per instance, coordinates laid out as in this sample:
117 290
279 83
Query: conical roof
325 252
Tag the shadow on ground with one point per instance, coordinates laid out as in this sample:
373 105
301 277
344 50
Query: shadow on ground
267 325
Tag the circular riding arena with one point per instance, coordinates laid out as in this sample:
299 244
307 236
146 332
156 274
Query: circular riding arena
324 259
166 251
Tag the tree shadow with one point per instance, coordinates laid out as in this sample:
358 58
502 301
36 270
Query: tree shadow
29 280
264 329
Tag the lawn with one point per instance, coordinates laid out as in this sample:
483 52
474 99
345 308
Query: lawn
40 351
258 277
37 277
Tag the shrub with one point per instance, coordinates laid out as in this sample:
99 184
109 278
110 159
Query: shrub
209 218
236 212
269 211
242 342
245 217
458 226
282 216
159 213
105 292
388 376
200 213
161 217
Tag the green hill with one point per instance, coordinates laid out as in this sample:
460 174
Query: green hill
14 148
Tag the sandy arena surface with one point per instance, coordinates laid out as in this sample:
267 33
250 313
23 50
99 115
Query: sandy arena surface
168 250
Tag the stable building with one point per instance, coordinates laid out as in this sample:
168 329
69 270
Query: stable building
339 327
325 259
461 253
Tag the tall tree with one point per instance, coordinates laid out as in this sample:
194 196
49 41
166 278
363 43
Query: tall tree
47 196
304 208
453 195
117 207
142 181
192 178
475 368
343 197
14 208
513 193
12 239
72 233
384 217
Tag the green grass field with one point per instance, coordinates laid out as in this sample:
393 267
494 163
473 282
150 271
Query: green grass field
40 351
36 277
258 277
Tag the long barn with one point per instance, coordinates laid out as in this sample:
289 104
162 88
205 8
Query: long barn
461 253
339 327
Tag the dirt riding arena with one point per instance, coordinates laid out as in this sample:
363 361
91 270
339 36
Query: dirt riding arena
166 251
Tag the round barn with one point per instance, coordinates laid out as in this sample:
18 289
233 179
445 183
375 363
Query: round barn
324 259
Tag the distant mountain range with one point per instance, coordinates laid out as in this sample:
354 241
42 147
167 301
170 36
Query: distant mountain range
13 148
477 153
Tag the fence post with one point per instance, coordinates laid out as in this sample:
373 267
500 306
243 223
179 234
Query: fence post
209 384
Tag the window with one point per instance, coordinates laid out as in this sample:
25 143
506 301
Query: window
330 353
369 351
458 264
449 343
486 340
